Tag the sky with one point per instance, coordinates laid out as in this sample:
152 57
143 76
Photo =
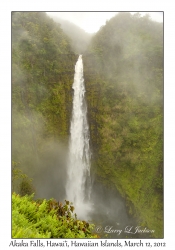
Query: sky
92 21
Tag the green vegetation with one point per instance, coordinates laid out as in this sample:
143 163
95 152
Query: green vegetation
124 79
46 219
20 181
42 75
123 70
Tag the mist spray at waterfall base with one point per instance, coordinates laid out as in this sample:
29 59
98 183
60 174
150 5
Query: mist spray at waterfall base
102 206
78 187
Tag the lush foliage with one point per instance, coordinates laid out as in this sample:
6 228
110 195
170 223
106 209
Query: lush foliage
42 75
46 219
124 79
123 69
20 181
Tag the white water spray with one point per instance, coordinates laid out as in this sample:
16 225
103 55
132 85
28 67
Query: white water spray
78 184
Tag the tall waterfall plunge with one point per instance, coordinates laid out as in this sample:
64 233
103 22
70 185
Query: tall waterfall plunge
78 186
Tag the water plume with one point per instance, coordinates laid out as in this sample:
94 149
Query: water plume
78 187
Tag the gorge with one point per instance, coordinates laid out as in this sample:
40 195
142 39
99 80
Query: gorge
122 114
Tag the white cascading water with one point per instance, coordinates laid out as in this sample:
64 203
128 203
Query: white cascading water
78 186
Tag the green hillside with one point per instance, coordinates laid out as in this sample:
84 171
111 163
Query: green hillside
123 72
124 78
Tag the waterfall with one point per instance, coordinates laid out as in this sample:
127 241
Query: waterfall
78 186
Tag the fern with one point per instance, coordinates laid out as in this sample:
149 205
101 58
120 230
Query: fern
46 219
